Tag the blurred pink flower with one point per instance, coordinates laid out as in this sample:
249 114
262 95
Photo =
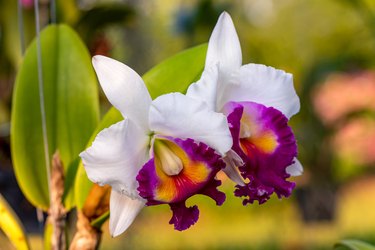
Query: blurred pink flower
342 94
356 141
27 3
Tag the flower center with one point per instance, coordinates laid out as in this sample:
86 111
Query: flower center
170 163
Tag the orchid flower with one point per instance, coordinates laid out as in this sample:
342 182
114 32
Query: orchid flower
258 102
163 152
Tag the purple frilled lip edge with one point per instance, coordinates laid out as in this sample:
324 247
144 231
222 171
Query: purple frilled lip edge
150 182
264 172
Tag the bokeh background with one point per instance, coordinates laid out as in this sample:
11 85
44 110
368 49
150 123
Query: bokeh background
329 47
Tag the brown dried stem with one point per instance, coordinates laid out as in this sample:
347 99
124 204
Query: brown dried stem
88 237
57 212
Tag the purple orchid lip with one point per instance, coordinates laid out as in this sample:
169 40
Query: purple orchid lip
161 184
266 144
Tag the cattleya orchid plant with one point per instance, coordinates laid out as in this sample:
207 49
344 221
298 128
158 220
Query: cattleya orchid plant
171 148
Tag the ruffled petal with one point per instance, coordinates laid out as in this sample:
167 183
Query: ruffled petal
116 155
224 47
295 169
180 116
267 151
124 88
200 165
205 89
211 191
123 211
183 217
264 85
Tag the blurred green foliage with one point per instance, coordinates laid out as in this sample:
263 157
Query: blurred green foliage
353 245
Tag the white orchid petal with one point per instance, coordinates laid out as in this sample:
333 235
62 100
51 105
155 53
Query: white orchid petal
123 211
264 85
124 88
295 169
183 117
205 89
224 46
116 155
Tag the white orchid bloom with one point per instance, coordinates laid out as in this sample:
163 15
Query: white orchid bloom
258 101
163 152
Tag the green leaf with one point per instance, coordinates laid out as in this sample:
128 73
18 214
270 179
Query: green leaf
47 235
71 107
11 226
172 75
176 73
353 245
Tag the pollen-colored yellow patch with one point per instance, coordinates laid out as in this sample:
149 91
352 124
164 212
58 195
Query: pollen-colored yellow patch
253 134
193 174
265 142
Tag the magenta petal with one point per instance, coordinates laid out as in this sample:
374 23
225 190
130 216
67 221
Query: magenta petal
183 217
268 150
234 113
200 166
256 191
211 191
147 180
